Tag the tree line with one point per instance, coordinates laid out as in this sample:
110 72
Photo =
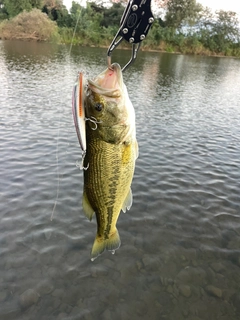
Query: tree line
180 25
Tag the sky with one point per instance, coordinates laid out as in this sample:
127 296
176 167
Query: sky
227 5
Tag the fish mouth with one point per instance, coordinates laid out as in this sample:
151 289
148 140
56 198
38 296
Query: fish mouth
108 83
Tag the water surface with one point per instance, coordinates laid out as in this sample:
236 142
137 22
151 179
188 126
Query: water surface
180 253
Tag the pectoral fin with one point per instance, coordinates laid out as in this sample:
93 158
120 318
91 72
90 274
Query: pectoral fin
127 202
87 208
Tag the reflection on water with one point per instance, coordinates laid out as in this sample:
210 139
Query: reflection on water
180 241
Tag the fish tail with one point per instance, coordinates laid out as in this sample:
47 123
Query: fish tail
110 244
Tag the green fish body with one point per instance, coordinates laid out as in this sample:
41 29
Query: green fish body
110 156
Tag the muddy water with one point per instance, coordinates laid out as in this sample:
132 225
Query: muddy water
180 253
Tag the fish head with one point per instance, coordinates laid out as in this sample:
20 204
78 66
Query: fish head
108 102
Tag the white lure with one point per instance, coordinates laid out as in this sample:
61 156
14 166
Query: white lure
78 97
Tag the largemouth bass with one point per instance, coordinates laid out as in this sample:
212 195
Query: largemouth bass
111 151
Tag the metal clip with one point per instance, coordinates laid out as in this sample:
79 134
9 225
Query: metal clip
134 26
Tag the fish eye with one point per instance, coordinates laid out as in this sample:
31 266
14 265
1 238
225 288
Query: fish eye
98 106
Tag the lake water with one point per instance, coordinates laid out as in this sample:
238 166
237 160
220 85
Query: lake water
180 253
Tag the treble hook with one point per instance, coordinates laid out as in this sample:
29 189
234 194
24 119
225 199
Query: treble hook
93 120
81 165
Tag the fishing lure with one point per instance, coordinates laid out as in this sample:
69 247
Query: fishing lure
78 98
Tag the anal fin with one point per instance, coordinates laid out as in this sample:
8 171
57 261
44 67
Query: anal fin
127 202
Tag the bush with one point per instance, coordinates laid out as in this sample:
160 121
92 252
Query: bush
33 25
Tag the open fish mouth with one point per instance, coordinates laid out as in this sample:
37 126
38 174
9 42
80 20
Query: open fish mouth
109 83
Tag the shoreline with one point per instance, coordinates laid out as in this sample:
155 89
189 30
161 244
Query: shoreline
122 47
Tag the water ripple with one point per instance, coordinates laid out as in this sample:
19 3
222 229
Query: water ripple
180 240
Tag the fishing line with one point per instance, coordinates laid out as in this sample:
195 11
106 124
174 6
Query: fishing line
57 146
74 32
58 177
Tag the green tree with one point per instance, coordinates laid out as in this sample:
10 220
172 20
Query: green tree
37 4
77 14
226 29
112 15
14 7
3 11
180 12
94 17
57 12
219 31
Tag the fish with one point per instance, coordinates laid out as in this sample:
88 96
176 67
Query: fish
109 157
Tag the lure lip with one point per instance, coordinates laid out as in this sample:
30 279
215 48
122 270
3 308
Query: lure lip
78 110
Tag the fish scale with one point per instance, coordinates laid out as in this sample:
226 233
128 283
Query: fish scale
108 178
107 183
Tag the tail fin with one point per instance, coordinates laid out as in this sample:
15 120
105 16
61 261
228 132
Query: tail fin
111 244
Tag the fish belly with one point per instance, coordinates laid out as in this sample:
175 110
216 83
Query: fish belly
107 183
